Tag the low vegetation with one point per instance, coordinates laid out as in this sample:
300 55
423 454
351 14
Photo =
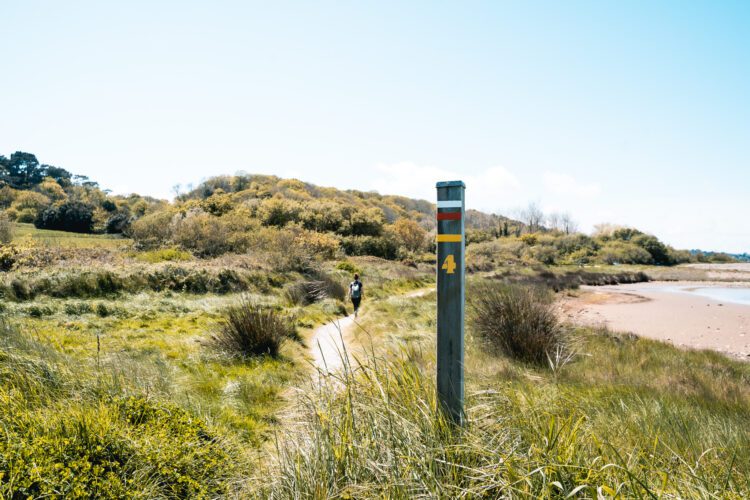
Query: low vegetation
250 329
519 321
73 431
628 418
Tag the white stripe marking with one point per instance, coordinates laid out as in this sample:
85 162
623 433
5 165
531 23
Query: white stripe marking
449 204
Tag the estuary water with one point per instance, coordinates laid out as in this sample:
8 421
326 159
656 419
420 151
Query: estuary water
734 295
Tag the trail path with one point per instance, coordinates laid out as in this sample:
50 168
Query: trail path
329 342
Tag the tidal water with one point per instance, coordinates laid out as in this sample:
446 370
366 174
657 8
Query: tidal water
721 294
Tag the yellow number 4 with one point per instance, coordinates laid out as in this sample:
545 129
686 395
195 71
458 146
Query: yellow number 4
449 264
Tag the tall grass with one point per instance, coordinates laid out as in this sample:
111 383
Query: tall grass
316 287
373 431
519 321
250 329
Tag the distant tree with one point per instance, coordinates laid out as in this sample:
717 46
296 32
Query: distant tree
118 223
23 170
109 205
625 233
278 211
73 216
532 216
368 222
410 234
658 250
554 221
568 225
51 188
62 176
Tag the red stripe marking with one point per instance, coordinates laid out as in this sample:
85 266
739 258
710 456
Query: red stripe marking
449 216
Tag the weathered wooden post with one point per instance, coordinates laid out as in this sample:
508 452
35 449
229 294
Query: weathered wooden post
450 298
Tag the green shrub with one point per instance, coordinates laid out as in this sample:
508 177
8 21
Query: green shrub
202 233
26 215
349 267
118 223
38 311
152 230
77 308
278 212
102 310
658 250
68 434
620 252
376 246
516 320
164 255
6 229
74 216
543 254
248 329
365 222
8 256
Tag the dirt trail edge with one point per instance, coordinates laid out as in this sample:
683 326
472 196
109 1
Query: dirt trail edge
328 342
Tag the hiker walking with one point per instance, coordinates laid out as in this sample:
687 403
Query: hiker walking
355 293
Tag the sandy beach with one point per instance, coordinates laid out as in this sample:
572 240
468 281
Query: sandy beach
682 313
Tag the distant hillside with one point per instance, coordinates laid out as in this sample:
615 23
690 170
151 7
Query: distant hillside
249 186
717 257
292 219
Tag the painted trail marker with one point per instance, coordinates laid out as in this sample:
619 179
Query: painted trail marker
450 297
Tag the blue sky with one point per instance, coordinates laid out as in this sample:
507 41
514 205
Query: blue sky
625 112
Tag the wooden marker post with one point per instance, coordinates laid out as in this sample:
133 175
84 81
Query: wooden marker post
450 298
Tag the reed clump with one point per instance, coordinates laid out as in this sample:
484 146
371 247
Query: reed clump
249 329
518 321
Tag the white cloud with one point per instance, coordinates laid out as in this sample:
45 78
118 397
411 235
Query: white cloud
566 185
489 190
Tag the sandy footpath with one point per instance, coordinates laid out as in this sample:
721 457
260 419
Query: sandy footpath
331 342
656 310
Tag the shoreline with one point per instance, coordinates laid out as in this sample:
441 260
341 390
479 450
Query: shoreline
654 311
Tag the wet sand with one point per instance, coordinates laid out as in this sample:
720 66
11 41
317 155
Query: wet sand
666 311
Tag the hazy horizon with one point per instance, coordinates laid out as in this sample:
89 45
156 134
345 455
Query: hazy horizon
635 114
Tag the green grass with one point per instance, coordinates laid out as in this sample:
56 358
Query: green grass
64 239
629 417
129 372
73 428
168 330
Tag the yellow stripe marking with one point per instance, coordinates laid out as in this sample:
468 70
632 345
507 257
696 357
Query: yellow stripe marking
448 238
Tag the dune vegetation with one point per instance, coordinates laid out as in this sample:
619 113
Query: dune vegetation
157 349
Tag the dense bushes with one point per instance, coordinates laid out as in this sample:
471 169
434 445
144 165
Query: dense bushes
620 252
73 216
518 321
248 329
377 246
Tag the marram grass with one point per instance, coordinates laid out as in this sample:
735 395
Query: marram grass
373 431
